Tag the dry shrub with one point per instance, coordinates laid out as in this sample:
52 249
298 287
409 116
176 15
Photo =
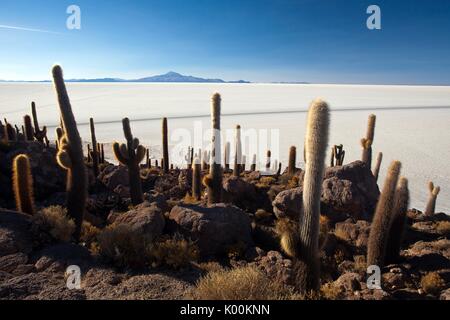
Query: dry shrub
330 292
120 245
432 283
89 234
243 283
209 266
52 224
175 252
443 227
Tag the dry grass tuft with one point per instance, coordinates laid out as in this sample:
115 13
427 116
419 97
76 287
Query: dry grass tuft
432 283
443 227
52 224
243 283
330 292
174 252
89 234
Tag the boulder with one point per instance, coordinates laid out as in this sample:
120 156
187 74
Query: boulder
113 176
146 218
288 203
355 233
15 235
214 228
240 193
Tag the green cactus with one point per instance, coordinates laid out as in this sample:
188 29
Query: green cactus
131 154
381 224
213 181
376 170
316 141
238 153
398 223
95 151
29 131
292 159
431 204
23 184
40 135
70 155
165 142
196 180
367 142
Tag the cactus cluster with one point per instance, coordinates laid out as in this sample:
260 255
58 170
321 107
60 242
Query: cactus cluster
431 204
337 155
131 154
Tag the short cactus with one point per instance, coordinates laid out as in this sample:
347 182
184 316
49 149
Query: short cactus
238 153
381 224
316 142
70 155
431 204
376 170
131 154
213 181
28 126
292 160
398 223
23 184
40 135
95 152
165 142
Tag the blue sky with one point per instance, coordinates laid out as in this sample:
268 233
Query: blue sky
321 41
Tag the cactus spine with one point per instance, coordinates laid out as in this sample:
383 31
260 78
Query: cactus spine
165 141
95 150
379 230
213 181
367 142
431 205
40 135
196 180
292 160
316 142
29 132
238 153
376 170
401 201
23 184
131 154
70 155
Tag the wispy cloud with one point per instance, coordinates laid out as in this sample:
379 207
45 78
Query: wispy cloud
27 29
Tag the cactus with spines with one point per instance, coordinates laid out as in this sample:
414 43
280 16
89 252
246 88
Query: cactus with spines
95 151
226 160
196 180
131 154
316 141
23 184
292 160
213 181
238 153
253 166
431 204
40 135
376 170
70 155
367 142
337 155
268 160
165 142
398 223
382 220
28 126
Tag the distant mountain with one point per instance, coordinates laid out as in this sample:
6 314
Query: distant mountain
168 77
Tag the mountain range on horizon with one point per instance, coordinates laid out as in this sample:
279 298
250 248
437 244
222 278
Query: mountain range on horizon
170 77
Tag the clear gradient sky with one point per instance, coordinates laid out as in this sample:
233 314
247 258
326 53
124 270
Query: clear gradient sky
321 41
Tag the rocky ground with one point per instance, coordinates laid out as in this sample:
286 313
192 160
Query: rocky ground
240 232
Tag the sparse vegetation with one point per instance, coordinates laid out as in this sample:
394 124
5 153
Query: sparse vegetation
52 224
432 283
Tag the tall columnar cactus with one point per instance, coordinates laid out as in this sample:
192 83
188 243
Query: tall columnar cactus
381 224
431 205
23 184
204 160
238 153
165 142
70 155
226 159
316 142
9 132
398 223
148 162
95 152
196 180
131 154
292 160
253 166
213 181
244 162
40 135
367 142
89 153
376 170
268 160
29 132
